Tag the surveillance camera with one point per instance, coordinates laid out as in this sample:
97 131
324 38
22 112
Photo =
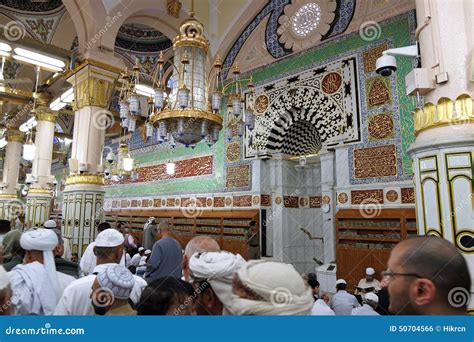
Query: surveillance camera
55 182
110 157
29 179
107 173
385 65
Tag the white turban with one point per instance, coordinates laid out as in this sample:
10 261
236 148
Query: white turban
281 288
218 268
44 240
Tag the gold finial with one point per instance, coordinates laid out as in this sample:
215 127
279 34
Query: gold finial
218 62
161 59
236 70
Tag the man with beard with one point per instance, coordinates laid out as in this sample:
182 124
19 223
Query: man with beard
111 292
427 275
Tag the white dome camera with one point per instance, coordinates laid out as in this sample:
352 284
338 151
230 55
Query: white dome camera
386 65
107 173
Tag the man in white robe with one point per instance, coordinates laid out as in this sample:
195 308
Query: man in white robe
36 284
370 303
88 259
108 249
213 273
137 257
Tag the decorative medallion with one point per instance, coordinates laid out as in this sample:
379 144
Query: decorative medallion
331 83
128 204
170 202
266 200
315 202
378 92
372 162
342 198
290 201
256 200
304 23
157 202
304 202
363 196
243 201
278 200
238 176
261 104
233 152
381 127
408 195
326 199
123 204
163 202
391 195
201 202
178 202
228 202
219 202
209 202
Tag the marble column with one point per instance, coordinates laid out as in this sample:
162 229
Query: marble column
443 152
9 202
328 203
83 196
38 200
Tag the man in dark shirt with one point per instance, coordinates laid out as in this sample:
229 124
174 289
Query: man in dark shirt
63 265
166 256
253 240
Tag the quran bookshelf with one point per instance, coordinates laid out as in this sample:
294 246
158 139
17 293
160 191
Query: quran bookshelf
363 242
228 228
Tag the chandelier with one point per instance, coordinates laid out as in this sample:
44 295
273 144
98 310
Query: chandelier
185 108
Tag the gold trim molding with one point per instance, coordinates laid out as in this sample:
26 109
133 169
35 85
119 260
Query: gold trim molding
39 191
15 136
186 113
85 179
445 112
93 91
9 196
45 114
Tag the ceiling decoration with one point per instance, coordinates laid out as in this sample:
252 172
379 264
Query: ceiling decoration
141 38
338 22
32 6
173 6
305 22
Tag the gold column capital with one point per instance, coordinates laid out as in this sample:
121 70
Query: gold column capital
14 135
85 179
93 84
43 113
445 112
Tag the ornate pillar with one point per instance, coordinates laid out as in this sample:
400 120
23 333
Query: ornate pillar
443 152
328 205
9 202
83 196
38 201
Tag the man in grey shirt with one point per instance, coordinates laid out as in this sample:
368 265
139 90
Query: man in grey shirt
149 233
343 302
166 256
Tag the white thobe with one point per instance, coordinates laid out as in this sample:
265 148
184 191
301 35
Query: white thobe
33 293
364 284
320 308
135 260
364 310
89 260
76 298
343 303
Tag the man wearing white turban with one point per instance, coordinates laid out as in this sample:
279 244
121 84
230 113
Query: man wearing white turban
264 287
213 273
36 284
108 249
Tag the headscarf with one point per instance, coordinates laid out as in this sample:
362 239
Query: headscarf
9 241
218 268
279 287
44 240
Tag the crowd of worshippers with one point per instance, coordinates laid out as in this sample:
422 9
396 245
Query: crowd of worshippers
118 276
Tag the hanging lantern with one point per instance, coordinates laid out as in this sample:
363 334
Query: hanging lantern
149 130
228 134
124 109
128 163
170 168
215 134
125 122
134 105
181 127
249 119
159 98
162 130
216 101
236 106
183 97
204 129
132 124
29 149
